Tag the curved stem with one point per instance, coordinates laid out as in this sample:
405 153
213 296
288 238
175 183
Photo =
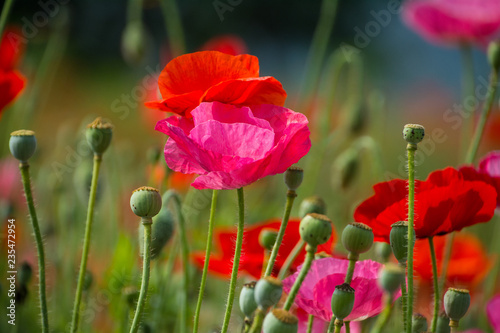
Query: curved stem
291 259
310 323
290 197
257 321
302 275
350 271
436 285
25 176
145 275
446 259
384 317
86 243
5 15
236 261
331 326
478 133
211 223
411 237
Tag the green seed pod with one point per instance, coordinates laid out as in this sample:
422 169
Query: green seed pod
280 321
88 280
134 43
312 204
22 144
413 133
390 278
161 232
399 241
131 295
247 299
443 324
25 274
419 324
383 251
293 178
315 229
342 301
345 168
267 238
456 303
357 238
99 134
494 55
145 202
267 292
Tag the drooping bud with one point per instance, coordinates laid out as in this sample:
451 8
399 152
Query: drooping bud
315 229
145 202
88 280
419 324
247 299
99 134
494 55
456 304
134 43
312 204
399 241
357 238
25 274
345 168
22 144
383 251
390 278
267 238
161 232
413 133
342 301
267 292
280 321
293 178
131 295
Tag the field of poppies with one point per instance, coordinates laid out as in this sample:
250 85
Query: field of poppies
216 167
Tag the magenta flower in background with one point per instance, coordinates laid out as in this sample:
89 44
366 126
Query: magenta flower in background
453 21
493 311
315 294
488 172
230 147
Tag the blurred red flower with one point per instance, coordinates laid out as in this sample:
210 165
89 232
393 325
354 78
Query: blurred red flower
11 81
228 44
252 259
447 201
209 76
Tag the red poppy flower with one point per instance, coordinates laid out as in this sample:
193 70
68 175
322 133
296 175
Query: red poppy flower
11 81
252 258
468 265
211 76
488 172
445 202
228 44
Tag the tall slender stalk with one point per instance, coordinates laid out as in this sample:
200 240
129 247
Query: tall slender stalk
384 317
173 26
302 275
310 323
236 261
211 223
291 259
411 206
436 285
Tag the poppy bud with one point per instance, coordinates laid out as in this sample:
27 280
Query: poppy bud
25 274
161 232
267 238
293 178
280 321
342 301
390 278
99 134
355 116
268 292
413 133
345 168
494 55
456 304
145 202
443 323
382 251
357 238
88 279
419 324
22 144
312 204
399 241
131 295
315 229
247 299
134 43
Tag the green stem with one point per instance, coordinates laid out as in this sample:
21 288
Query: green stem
347 327
211 223
291 259
467 94
302 275
404 299
310 323
478 133
257 321
384 317
331 326
174 27
5 15
350 270
236 261
134 11
25 175
86 243
290 197
446 259
174 196
436 285
411 206
145 275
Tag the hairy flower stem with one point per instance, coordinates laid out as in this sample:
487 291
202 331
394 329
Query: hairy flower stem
290 197
145 275
384 317
86 243
350 269
404 300
25 176
236 261
291 259
310 323
257 321
411 148
436 285
302 275
211 223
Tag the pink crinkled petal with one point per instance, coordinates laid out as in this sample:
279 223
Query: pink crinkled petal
493 311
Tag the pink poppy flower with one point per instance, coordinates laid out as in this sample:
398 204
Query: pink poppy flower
230 146
493 311
453 21
320 326
488 172
316 292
